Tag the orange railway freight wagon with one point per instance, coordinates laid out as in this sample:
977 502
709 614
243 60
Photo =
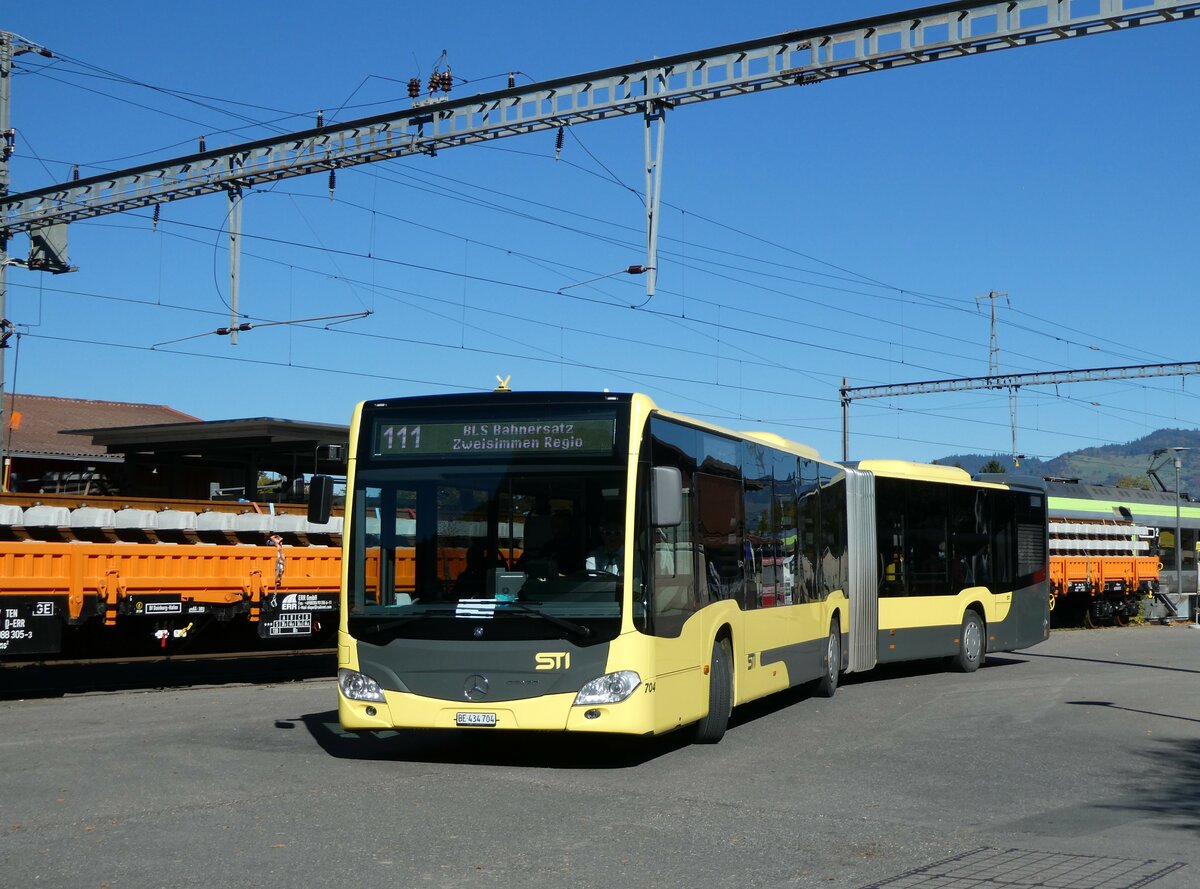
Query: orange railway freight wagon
1101 568
159 571
167 590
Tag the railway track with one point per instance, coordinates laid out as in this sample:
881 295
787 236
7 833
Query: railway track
56 678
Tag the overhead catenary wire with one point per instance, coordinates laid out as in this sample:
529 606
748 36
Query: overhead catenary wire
612 177
443 385
753 332
550 358
720 327
740 309
482 279
225 331
865 278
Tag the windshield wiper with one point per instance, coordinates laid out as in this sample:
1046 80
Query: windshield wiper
526 607
501 605
392 624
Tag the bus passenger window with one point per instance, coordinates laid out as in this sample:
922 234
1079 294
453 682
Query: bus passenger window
720 510
809 521
833 563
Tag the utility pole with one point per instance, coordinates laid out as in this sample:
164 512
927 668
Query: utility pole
994 368
1172 454
1178 530
10 46
994 341
6 148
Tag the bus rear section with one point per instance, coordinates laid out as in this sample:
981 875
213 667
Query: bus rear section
963 564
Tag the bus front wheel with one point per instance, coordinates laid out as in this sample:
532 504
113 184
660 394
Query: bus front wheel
972 644
711 728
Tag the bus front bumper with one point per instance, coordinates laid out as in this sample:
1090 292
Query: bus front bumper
400 710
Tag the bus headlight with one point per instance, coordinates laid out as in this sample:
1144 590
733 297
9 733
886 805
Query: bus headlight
358 686
612 688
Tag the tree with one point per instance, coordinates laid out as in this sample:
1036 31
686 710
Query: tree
992 465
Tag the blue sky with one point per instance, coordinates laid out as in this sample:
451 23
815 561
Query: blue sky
843 230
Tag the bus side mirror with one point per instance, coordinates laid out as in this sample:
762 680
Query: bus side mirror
320 499
667 497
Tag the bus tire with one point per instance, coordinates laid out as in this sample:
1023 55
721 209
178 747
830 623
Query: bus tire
711 728
827 685
972 644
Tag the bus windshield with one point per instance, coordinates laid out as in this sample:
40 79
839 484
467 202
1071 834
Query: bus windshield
513 551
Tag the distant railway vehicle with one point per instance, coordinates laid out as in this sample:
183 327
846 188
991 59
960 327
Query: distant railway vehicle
1102 570
1114 550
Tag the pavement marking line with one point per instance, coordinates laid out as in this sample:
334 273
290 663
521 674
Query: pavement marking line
988 868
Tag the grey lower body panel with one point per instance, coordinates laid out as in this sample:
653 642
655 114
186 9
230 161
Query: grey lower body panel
1024 626
916 643
804 661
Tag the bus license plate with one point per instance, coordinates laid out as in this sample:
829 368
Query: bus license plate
475 718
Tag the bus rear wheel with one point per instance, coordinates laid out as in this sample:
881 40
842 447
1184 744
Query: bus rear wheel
827 685
711 728
972 644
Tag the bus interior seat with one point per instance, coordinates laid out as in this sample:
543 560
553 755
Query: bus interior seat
539 531
675 581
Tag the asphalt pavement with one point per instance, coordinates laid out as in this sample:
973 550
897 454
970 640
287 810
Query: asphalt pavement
1076 763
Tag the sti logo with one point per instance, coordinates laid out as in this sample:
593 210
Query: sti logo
552 660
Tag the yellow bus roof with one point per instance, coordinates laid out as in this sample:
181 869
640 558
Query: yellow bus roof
769 439
931 472
784 444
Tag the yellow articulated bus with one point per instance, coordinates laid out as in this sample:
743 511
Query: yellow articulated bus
589 562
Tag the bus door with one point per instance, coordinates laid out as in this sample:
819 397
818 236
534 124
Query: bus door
679 580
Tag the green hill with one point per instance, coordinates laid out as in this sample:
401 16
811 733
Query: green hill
1109 464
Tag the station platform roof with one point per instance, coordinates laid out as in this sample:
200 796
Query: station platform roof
261 442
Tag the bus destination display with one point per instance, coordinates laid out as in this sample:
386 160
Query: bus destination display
579 437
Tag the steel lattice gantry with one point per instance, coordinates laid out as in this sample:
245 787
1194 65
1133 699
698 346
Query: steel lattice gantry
796 58
933 33
1011 382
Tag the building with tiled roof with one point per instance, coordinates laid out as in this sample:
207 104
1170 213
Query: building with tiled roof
80 447
45 454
